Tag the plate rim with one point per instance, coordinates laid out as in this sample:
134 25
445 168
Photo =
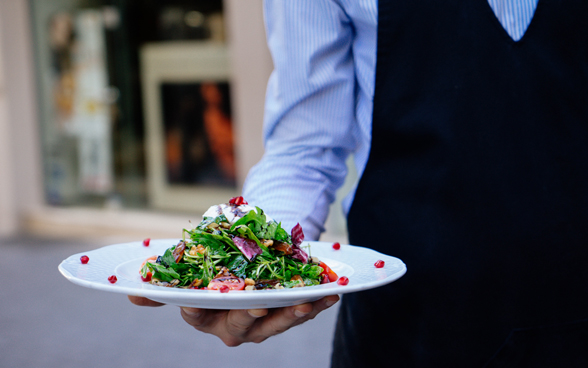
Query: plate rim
241 299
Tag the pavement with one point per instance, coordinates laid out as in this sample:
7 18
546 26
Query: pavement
47 321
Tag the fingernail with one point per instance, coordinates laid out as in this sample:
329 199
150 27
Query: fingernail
192 312
299 314
256 313
330 302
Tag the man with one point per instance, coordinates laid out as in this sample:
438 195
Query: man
470 140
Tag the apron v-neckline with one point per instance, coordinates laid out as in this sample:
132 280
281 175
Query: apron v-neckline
496 19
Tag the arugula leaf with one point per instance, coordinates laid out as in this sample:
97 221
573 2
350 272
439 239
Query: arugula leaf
180 267
238 266
215 246
291 284
311 271
281 234
145 269
221 218
196 236
163 273
311 282
256 219
168 257
208 271
268 230
203 225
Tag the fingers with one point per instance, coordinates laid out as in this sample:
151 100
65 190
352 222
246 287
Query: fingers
239 322
143 302
282 319
235 327
232 327
201 319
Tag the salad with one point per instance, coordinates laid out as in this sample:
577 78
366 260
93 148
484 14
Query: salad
235 247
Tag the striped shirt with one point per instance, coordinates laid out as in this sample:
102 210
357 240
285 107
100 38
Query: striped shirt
319 102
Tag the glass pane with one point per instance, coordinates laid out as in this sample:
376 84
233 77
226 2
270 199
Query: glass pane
199 145
90 93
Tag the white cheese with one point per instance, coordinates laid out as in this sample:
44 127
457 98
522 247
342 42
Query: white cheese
231 212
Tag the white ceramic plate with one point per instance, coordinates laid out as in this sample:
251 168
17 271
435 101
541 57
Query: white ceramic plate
124 261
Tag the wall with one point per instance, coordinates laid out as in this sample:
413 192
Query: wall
7 218
19 157
250 74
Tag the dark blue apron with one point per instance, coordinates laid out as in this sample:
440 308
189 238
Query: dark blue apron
478 180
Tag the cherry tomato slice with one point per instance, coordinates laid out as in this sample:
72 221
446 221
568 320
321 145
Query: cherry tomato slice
221 283
148 277
150 259
327 271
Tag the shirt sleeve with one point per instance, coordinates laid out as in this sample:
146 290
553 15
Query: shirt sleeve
309 122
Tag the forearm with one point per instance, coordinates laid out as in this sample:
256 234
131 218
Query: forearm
309 126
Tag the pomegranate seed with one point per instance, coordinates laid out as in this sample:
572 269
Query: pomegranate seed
237 201
343 280
336 246
84 259
224 289
146 242
379 264
112 279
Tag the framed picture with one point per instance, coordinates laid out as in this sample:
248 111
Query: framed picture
190 148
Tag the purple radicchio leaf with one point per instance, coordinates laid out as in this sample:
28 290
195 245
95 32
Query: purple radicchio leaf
297 236
299 254
248 247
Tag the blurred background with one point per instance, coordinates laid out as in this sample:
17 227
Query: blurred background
122 120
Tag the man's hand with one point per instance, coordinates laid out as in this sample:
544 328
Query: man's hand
144 302
235 327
